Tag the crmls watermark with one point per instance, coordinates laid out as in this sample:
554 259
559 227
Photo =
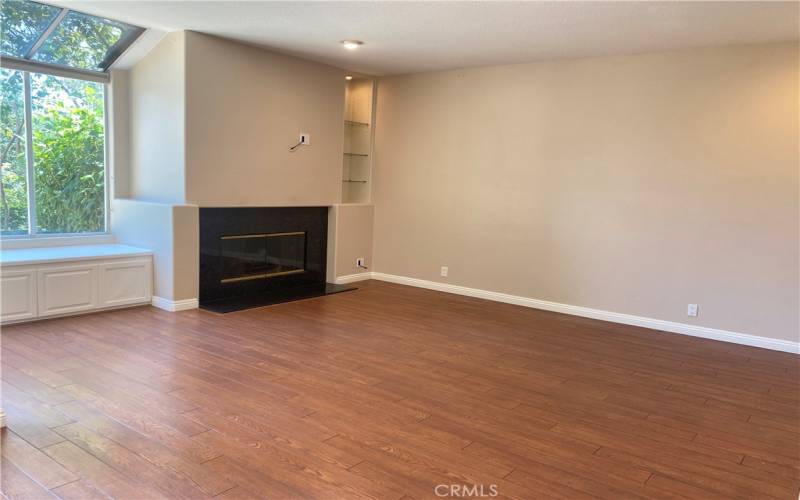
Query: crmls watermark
465 490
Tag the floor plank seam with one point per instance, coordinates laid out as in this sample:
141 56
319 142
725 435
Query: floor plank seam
355 465
329 438
508 473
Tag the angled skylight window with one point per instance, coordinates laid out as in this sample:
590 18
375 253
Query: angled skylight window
33 31
84 41
21 24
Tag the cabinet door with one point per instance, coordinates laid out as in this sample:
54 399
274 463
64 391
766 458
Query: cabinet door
125 282
18 294
67 289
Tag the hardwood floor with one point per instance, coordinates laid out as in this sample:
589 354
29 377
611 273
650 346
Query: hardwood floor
386 393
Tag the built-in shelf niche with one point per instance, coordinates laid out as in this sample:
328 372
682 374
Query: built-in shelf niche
358 133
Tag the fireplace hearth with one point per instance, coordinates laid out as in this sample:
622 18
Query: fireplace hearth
254 256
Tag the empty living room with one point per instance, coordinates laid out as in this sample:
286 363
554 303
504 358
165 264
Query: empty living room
399 250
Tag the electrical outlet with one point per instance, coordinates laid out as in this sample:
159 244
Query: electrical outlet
305 139
691 310
444 271
360 263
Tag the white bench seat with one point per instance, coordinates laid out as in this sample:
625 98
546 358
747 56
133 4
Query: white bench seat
72 253
58 281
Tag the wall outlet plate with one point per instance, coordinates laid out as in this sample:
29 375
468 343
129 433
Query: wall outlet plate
691 310
444 271
305 139
360 262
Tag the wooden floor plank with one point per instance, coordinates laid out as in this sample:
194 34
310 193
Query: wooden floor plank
30 460
79 490
165 479
15 484
30 426
101 476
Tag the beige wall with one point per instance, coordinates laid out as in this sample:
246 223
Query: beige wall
156 121
186 243
351 237
245 107
171 232
210 121
633 184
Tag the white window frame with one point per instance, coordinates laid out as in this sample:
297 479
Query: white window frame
28 67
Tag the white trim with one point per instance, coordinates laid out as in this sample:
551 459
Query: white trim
2 418
352 278
174 305
107 167
626 319
53 69
30 177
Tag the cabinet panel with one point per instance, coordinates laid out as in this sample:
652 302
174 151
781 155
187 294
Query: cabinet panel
126 282
18 295
69 289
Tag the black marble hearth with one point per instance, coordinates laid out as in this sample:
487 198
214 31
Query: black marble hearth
253 256
241 303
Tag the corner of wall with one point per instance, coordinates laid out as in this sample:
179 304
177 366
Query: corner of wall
156 123
352 233
148 225
186 251
330 273
119 133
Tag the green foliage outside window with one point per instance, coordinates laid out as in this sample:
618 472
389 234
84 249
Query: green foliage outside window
21 23
13 185
68 154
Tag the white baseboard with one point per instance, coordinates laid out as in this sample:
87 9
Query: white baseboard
352 278
2 419
174 305
626 319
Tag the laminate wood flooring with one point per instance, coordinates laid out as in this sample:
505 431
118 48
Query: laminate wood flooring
390 392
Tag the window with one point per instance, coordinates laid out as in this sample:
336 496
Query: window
14 180
55 65
53 170
56 37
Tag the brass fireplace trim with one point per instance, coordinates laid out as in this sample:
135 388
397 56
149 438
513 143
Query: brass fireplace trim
261 276
264 235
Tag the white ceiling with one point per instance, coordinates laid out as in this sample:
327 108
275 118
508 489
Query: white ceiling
407 37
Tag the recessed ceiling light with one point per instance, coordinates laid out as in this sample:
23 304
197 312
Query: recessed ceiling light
348 77
352 44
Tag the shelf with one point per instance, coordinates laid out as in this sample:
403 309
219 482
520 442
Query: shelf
356 124
351 180
361 155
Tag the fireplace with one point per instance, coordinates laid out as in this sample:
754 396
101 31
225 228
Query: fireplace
259 256
255 256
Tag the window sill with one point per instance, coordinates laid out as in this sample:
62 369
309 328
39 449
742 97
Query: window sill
9 243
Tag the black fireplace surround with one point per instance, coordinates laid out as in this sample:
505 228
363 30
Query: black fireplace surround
255 256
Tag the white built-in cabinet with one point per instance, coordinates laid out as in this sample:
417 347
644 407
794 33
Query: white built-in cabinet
18 297
67 289
39 290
